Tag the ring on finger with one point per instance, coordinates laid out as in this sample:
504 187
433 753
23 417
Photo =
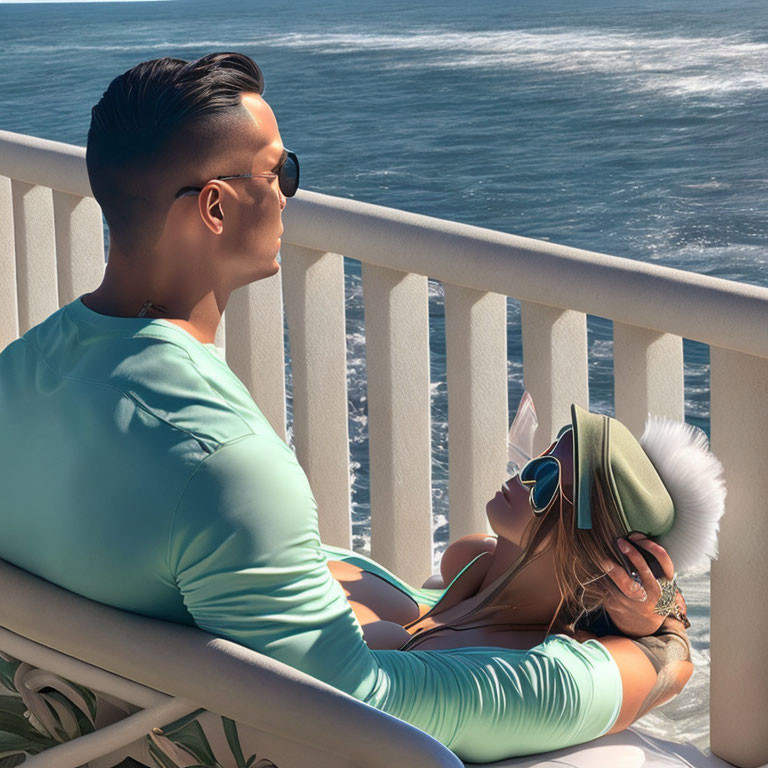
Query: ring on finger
667 600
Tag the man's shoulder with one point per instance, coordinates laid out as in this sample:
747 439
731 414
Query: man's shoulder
181 386
189 389
247 472
258 456
144 384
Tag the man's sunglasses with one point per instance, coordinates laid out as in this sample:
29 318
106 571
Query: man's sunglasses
543 474
287 177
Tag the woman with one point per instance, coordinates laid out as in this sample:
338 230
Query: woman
555 566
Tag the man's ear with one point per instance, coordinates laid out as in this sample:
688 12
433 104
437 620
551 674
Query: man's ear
211 206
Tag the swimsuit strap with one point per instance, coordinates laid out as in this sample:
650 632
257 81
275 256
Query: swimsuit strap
464 585
493 610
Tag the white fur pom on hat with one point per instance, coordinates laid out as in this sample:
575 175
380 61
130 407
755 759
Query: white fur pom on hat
693 476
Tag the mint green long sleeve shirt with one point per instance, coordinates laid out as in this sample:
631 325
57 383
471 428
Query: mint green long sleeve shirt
138 471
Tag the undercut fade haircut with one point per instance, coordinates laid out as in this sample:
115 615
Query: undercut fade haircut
155 123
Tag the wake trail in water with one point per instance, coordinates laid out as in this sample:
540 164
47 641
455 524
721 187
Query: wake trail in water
669 65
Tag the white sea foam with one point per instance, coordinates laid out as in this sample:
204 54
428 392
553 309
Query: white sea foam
436 291
673 65
601 349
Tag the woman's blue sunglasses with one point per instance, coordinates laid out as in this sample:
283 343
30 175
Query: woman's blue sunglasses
544 476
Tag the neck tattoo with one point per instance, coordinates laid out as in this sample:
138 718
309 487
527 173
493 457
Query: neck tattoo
148 306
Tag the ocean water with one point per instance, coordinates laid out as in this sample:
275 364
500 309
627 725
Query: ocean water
636 128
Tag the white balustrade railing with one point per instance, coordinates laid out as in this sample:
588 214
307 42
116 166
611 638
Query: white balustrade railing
51 251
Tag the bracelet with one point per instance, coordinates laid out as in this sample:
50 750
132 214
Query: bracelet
680 613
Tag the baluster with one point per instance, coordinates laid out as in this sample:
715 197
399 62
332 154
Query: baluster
38 294
220 337
254 345
313 283
554 365
478 411
9 308
648 375
397 360
79 245
739 621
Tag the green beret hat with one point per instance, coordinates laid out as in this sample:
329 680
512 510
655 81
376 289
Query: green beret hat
667 485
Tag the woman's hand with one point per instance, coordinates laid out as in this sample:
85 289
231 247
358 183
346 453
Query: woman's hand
631 609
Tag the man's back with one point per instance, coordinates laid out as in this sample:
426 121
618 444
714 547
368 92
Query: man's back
104 420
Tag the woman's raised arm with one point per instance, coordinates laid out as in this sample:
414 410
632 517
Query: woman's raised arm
653 669
656 666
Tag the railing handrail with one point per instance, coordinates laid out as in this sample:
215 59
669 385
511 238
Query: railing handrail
711 310
53 252
708 309
48 163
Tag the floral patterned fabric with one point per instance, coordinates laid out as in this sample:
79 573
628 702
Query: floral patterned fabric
39 710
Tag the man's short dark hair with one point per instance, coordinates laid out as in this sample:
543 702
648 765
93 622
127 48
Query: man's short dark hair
153 122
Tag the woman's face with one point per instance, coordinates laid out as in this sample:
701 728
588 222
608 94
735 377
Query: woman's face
509 511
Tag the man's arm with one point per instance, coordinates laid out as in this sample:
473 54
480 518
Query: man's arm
244 553
243 550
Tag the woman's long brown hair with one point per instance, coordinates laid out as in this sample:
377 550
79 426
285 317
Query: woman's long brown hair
578 554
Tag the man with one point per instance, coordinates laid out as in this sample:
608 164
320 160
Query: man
172 251
138 471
